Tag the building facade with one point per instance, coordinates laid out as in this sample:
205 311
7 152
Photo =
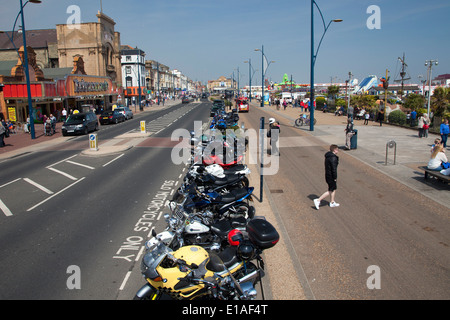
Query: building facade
97 42
133 75
220 85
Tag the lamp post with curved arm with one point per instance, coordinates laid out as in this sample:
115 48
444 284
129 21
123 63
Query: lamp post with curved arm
263 72
313 58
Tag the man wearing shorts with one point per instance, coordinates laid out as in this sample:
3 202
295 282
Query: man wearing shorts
331 164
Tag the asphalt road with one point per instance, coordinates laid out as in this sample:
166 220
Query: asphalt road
381 224
75 224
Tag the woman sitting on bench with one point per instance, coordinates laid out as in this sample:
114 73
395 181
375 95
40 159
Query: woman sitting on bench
437 158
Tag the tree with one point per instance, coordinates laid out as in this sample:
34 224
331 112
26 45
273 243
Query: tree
333 91
414 101
440 101
362 101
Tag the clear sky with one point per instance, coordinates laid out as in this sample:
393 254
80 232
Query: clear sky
206 39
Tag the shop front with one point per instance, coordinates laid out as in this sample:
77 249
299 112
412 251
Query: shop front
84 93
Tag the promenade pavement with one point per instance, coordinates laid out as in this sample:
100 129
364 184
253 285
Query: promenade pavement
410 153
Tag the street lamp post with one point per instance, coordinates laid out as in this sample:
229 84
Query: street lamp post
429 63
263 72
313 58
25 64
249 78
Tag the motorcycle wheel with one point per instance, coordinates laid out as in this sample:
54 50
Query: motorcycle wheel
149 295
298 122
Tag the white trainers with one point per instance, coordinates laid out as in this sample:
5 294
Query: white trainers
334 204
316 203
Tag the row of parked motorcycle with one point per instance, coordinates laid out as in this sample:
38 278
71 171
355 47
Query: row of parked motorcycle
212 245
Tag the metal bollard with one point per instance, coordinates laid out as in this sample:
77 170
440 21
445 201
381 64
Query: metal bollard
389 145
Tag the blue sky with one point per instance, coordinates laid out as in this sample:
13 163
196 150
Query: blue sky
206 39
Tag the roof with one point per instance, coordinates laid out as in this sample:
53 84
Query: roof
49 73
6 66
35 39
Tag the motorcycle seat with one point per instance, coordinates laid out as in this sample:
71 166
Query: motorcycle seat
228 179
221 228
234 195
225 258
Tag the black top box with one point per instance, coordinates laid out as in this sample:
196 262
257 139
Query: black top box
262 234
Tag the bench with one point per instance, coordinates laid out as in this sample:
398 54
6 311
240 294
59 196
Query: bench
435 174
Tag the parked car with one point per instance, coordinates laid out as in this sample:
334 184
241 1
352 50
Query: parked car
126 112
218 105
80 123
111 116
185 100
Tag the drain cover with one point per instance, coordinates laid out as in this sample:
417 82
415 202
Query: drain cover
276 191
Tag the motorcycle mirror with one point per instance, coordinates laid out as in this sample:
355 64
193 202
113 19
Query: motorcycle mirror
153 233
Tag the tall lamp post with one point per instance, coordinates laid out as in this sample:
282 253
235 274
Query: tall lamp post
249 78
25 63
263 72
27 74
429 64
313 58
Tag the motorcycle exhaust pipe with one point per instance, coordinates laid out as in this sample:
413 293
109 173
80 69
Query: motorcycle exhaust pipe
255 275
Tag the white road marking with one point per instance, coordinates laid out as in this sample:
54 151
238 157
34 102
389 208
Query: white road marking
113 159
5 209
10 182
45 200
37 185
63 173
124 282
80 164
61 161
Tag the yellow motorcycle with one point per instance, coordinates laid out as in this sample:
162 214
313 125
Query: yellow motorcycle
191 272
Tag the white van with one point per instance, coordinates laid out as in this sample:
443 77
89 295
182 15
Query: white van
287 96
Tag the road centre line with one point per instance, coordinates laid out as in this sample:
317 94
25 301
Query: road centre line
80 164
113 159
37 185
63 173
10 182
55 194
5 209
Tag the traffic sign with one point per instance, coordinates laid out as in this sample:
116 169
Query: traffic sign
93 142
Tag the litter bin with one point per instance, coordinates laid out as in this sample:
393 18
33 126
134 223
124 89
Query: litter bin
354 140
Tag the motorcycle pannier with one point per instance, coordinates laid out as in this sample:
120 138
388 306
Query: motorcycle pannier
262 233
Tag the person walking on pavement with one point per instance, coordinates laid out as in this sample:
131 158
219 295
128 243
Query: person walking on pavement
331 165
420 125
53 122
413 118
426 125
349 133
444 130
380 117
274 128
366 118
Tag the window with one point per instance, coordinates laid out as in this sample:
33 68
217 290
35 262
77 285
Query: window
128 58
128 70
